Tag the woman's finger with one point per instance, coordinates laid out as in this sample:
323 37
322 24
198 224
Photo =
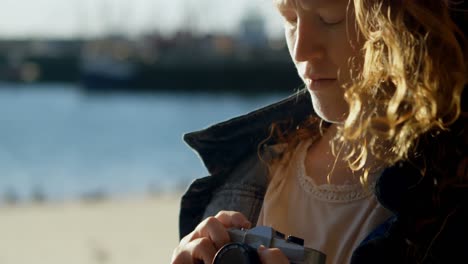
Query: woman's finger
272 256
208 237
213 229
233 219
200 249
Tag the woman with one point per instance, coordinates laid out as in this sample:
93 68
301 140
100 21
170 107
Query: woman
376 170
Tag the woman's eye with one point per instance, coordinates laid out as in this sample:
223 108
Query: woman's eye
330 22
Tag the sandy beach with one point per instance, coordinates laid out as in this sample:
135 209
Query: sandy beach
118 231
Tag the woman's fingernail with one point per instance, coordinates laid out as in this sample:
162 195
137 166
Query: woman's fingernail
261 248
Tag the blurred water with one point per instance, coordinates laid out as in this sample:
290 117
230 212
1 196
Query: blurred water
59 142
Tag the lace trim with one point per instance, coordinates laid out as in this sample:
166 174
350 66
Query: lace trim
330 192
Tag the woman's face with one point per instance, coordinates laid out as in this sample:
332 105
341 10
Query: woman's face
321 38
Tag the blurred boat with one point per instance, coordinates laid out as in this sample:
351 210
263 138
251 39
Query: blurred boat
103 72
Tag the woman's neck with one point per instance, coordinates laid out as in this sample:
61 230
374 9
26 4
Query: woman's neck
326 168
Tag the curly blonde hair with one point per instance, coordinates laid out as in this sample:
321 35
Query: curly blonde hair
411 81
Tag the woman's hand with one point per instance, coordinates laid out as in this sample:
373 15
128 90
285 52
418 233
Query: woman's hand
208 237
272 256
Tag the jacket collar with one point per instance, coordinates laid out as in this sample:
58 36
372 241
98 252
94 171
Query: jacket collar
222 145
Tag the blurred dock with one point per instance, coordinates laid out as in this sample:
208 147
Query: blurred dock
185 61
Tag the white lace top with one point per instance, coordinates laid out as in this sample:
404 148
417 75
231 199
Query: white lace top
331 218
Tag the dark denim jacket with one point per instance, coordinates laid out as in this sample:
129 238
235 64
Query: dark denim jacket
428 226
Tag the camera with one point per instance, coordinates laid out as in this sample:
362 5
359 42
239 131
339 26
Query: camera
244 244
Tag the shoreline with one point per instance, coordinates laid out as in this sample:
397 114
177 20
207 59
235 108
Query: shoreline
119 230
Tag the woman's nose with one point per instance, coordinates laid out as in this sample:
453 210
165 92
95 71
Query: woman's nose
308 42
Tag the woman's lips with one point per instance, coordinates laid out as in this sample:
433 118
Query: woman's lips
319 84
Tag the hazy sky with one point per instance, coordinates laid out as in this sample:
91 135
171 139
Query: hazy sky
66 18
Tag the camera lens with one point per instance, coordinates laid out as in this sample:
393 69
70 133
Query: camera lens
236 253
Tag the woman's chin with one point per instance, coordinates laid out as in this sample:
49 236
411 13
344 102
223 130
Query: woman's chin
333 117
330 107
333 120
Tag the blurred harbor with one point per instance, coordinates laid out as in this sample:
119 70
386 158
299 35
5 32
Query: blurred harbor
95 96
96 117
183 61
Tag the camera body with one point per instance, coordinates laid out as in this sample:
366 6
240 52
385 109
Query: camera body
244 244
